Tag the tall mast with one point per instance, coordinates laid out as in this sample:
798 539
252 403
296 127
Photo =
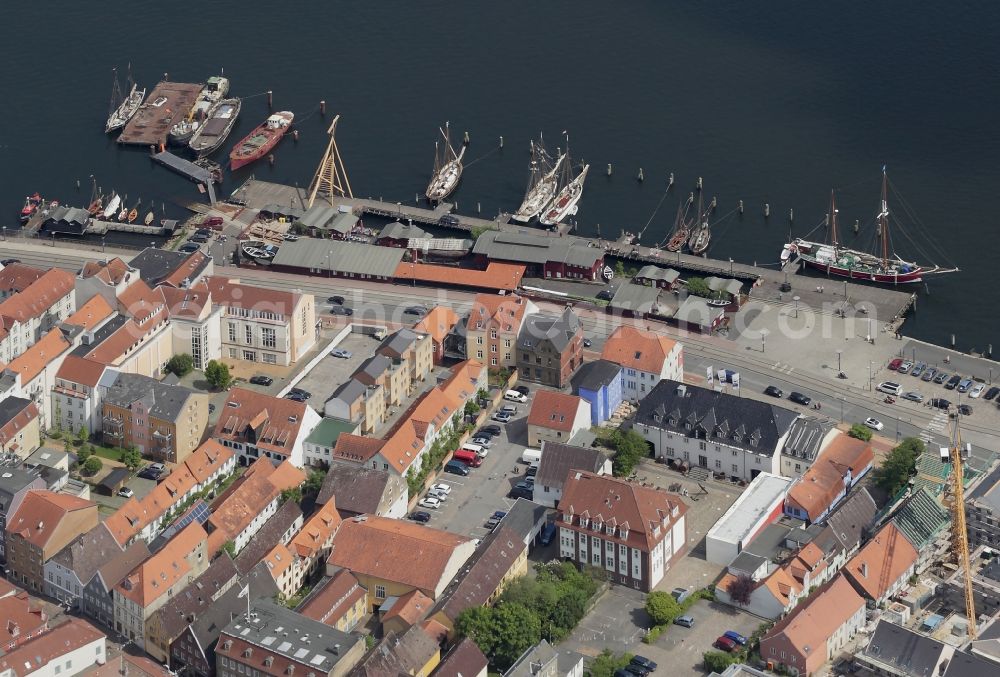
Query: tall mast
833 220
883 218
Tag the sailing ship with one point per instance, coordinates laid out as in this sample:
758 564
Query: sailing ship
221 119
447 168
543 182
701 234
570 190
883 265
261 140
213 92
682 227
123 108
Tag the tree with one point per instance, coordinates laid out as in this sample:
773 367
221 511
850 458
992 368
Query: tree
476 623
696 286
314 482
85 452
607 663
293 494
217 374
517 629
82 435
718 661
662 607
630 448
93 465
860 432
67 446
899 464
180 364
229 547
131 458
740 589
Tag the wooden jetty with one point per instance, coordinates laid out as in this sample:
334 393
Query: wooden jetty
166 106
187 169
95 227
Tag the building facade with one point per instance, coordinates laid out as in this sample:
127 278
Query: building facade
549 348
646 359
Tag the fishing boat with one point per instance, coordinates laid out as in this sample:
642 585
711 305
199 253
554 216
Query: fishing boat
682 227
567 199
543 182
701 234
123 107
447 168
112 208
221 120
259 251
261 140
214 90
881 264
31 204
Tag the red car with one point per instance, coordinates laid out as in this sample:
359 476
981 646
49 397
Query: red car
894 365
725 644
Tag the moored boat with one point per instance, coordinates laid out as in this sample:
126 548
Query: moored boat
682 227
259 251
213 91
701 233
447 168
31 204
261 140
112 208
221 120
566 202
881 266
123 108
543 182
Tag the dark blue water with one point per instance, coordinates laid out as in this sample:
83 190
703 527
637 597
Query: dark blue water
770 102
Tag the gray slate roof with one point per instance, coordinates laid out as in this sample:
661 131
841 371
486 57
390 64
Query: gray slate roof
747 424
356 490
398 342
268 536
988 490
156 264
557 330
907 651
403 654
636 298
114 570
165 402
340 257
524 518
964 664
558 459
724 284
13 480
197 596
533 661
11 407
696 311
349 391
523 247
374 367
88 552
806 436
594 375
398 230
651 272
848 523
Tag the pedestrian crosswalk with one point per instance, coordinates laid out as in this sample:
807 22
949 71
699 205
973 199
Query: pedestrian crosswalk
936 426
782 367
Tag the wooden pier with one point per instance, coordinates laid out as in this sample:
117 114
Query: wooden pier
169 103
187 169
95 227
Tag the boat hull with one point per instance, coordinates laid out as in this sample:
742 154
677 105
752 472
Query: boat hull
247 151
909 277
445 181
566 203
125 111
214 131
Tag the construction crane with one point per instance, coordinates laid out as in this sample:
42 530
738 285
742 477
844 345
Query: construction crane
958 453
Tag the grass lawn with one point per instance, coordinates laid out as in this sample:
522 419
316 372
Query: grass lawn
110 453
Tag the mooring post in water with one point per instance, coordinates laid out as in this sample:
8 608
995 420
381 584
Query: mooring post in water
741 207
322 107
609 169
465 139
670 181
767 210
501 140
295 135
698 185
479 208
714 203
640 177
791 214
270 99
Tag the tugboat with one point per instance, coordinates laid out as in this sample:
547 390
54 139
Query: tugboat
883 265
447 168
566 202
213 91
261 140
123 108
31 204
212 134
543 182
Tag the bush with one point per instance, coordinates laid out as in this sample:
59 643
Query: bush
630 448
180 364
860 432
93 465
653 634
217 374
662 607
717 661
131 458
607 663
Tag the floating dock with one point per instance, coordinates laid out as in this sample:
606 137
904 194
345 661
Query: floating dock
165 107
187 169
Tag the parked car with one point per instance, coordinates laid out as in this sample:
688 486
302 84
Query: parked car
414 310
941 377
493 430
515 396
799 398
522 389
295 397
449 220
725 644
894 364
442 488
685 621
213 221
977 390
189 247
341 353
606 294
430 502
905 367
299 391
125 492
523 484
521 492
636 670
201 239
953 382
531 471
7 262
913 396
929 374
152 472
890 388
736 637
939 403
918 369
964 385
874 423
965 410
341 310
204 231
773 391
482 441
991 393
587 343
431 493
336 300
260 380
502 417
456 468
680 594
420 516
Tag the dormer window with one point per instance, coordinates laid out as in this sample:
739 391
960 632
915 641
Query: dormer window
568 517
609 529
623 533
597 525
584 522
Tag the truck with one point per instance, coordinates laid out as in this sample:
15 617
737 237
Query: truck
531 456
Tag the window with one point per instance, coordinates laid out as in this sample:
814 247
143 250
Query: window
248 331
493 347
701 445
718 463
479 354
798 467
232 332
249 355
493 361
493 333
380 592
506 343
736 468
267 337
479 340
269 358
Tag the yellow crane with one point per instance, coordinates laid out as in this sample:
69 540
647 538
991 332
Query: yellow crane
958 453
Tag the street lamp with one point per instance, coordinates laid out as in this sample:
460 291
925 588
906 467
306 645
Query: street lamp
763 335
870 387
795 299
839 355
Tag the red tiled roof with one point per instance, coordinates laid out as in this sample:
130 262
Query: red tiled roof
207 459
506 276
411 608
92 313
152 578
506 312
185 303
39 296
186 271
356 447
881 562
317 533
40 513
111 272
276 420
115 346
233 294
31 362
16 423
823 482
32 656
812 623
141 303
334 599
81 370
18 276
438 323
637 349
555 411
19 619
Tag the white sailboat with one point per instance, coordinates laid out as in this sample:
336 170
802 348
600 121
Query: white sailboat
123 108
113 204
566 202
542 184
447 168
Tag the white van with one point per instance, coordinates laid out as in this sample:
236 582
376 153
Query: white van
476 449
890 388
531 456
514 396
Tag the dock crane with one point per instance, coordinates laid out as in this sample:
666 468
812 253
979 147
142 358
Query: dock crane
958 453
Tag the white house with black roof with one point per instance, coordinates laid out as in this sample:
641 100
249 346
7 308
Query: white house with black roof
717 431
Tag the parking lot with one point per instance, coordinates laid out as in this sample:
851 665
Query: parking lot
330 372
140 486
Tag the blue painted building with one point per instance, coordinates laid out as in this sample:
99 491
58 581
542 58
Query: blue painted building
600 383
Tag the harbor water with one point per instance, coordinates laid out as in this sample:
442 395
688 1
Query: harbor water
770 103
